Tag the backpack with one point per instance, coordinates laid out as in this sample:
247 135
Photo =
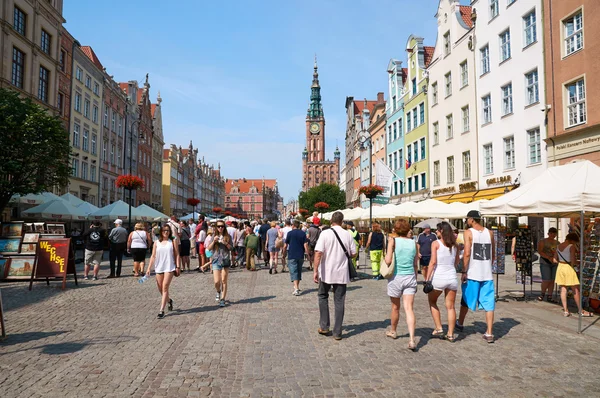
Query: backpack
312 240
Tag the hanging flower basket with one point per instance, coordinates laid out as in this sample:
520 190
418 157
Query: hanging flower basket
293 214
371 191
303 211
228 213
217 210
193 202
130 182
320 206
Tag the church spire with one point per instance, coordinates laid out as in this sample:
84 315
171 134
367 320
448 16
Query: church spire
315 109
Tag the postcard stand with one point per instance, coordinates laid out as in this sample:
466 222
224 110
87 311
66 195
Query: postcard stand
55 258
524 258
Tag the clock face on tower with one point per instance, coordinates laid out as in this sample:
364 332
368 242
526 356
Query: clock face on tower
315 128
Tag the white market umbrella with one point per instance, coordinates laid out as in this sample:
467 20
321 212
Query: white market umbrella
151 214
429 208
34 198
57 209
189 216
72 199
87 208
432 222
118 209
354 214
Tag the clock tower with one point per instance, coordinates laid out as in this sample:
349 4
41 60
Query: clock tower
317 170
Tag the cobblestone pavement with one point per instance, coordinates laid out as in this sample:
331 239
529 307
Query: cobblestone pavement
102 339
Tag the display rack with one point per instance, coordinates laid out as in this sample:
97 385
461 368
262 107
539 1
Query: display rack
590 274
499 264
524 258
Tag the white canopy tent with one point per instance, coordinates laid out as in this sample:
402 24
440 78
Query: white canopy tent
118 209
570 190
72 199
57 209
87 208
151 214
34 198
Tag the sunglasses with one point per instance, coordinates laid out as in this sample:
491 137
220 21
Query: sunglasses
166 230
220 226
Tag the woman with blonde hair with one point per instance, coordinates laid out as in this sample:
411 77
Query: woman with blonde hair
566 276
402 255
166 262
221 247
272 235
137 245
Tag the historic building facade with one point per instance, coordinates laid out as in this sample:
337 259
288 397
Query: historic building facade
144 167
131 141
252 199
375 126
315 169
157 152
395 126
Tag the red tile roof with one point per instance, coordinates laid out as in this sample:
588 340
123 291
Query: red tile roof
140 92
153 109
465 13
245 184
428 54
360 105
89 52
166 153
124 87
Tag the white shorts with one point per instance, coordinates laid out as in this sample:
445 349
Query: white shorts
402 284
444 283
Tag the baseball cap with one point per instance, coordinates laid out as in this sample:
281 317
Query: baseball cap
474 214
118 221
349 222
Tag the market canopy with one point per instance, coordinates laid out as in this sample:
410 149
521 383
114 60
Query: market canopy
118 209
72 199
561 191
151 213
57 209
34 198
87 207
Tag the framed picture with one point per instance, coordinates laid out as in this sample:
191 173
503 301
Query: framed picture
10 245
56 229
31 237
28 248
20 267
51 236
4 262
28 227
11 229
38 227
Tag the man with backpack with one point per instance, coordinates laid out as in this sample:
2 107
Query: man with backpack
312 234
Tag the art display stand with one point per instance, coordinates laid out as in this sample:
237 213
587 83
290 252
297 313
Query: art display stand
591 271
524 259
55 258
499 264
2 325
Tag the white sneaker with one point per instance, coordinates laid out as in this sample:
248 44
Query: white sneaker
296 292
218 297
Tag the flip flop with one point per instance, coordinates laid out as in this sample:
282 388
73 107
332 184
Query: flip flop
586 314
391 334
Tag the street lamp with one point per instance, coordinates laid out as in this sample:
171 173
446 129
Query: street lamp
364 141
141 139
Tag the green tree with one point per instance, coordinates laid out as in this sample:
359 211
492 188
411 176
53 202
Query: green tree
328 193
35 148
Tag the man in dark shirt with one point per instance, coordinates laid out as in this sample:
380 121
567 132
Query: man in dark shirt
118 244
296 243
94 246
262 231
424 242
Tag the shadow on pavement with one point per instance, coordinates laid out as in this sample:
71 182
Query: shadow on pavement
68 347
15 295
353 330
501 328
27 337
251 300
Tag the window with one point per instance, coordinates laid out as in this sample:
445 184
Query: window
448 78
75 168
105 115
112 154
529 29
423 181
410 185
61 59
390 164
113 124
576 105
421 113
464 74
416 151
436 173
505 45
88 81
507 102
447 43
20 21
573 33
434 93
94 139
449 128
120 129
394 103
509 153
450 169
535 147
409 153
485 59
395 163
85 145
60 100
436 133
18 68
43 88
79 74
494 9
119 157
465 119
400 159
408 123
93 173
415 119
423 148
531 83
389 134
416 183
78 102
466 159
105 150
414 86
86 108
395 136
76 135
84 170
488 159
96 88
45 40
486 109
95 114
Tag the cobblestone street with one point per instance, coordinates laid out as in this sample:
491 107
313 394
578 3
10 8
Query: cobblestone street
102 339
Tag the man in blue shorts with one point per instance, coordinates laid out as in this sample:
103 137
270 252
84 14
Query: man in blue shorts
477 279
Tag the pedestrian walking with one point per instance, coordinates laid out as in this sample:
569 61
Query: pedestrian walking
252 243
566 277
155 232
240 250
402 255
207 242
262 231
375 247
200 231
94 248
137 245
296 244
166 262
349 226
175 227
333 252
271 245
118 244
312 233
284 231
442 274
547 251
477 280
221 247
193 251
424 241
185 245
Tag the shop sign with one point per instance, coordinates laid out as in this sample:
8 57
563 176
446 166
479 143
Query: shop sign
442 191
582 145
468 186
499 180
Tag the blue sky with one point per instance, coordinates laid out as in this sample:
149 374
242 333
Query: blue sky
235 76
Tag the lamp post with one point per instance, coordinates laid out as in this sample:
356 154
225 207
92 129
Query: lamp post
363 141
141 139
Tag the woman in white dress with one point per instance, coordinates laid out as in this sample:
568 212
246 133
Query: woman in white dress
166 261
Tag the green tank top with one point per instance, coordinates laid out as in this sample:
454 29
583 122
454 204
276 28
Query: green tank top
405 252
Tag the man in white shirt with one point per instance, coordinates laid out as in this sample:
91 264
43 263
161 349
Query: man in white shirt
192 226
175 227
285 230
331 270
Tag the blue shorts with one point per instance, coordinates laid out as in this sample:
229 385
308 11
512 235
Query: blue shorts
218 265
478 294
295 267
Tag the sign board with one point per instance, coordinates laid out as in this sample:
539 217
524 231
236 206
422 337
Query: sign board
383 178
54 259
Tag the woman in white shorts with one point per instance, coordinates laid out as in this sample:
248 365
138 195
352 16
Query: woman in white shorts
402 252
442 274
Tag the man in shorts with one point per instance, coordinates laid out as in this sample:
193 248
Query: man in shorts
424 241
94 248
477 278
296 244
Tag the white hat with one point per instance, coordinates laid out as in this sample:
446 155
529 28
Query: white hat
118 221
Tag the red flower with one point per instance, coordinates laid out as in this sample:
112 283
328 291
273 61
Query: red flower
131 182
227 213
303 211
371 191
217 210
193 202
321 206
293 214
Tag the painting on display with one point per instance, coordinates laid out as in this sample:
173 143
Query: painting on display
10 245
28 248
31 238
20 267
56 229
28 227
38 227
10 229
3 266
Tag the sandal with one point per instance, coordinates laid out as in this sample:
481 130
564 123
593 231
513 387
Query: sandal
586 314
412 346
391 334
541 298
451 339
438 333
566 314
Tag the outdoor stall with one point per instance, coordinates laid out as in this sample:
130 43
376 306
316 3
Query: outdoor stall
151 214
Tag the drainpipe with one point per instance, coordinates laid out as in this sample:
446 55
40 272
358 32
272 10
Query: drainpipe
474 46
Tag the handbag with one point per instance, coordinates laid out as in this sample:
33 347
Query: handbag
279 242
351 271
428 285
385 270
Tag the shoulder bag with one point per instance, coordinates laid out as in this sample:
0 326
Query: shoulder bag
351 271
279 241
428 285
385 270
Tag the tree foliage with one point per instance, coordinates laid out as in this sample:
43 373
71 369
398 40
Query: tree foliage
35 155
329 193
